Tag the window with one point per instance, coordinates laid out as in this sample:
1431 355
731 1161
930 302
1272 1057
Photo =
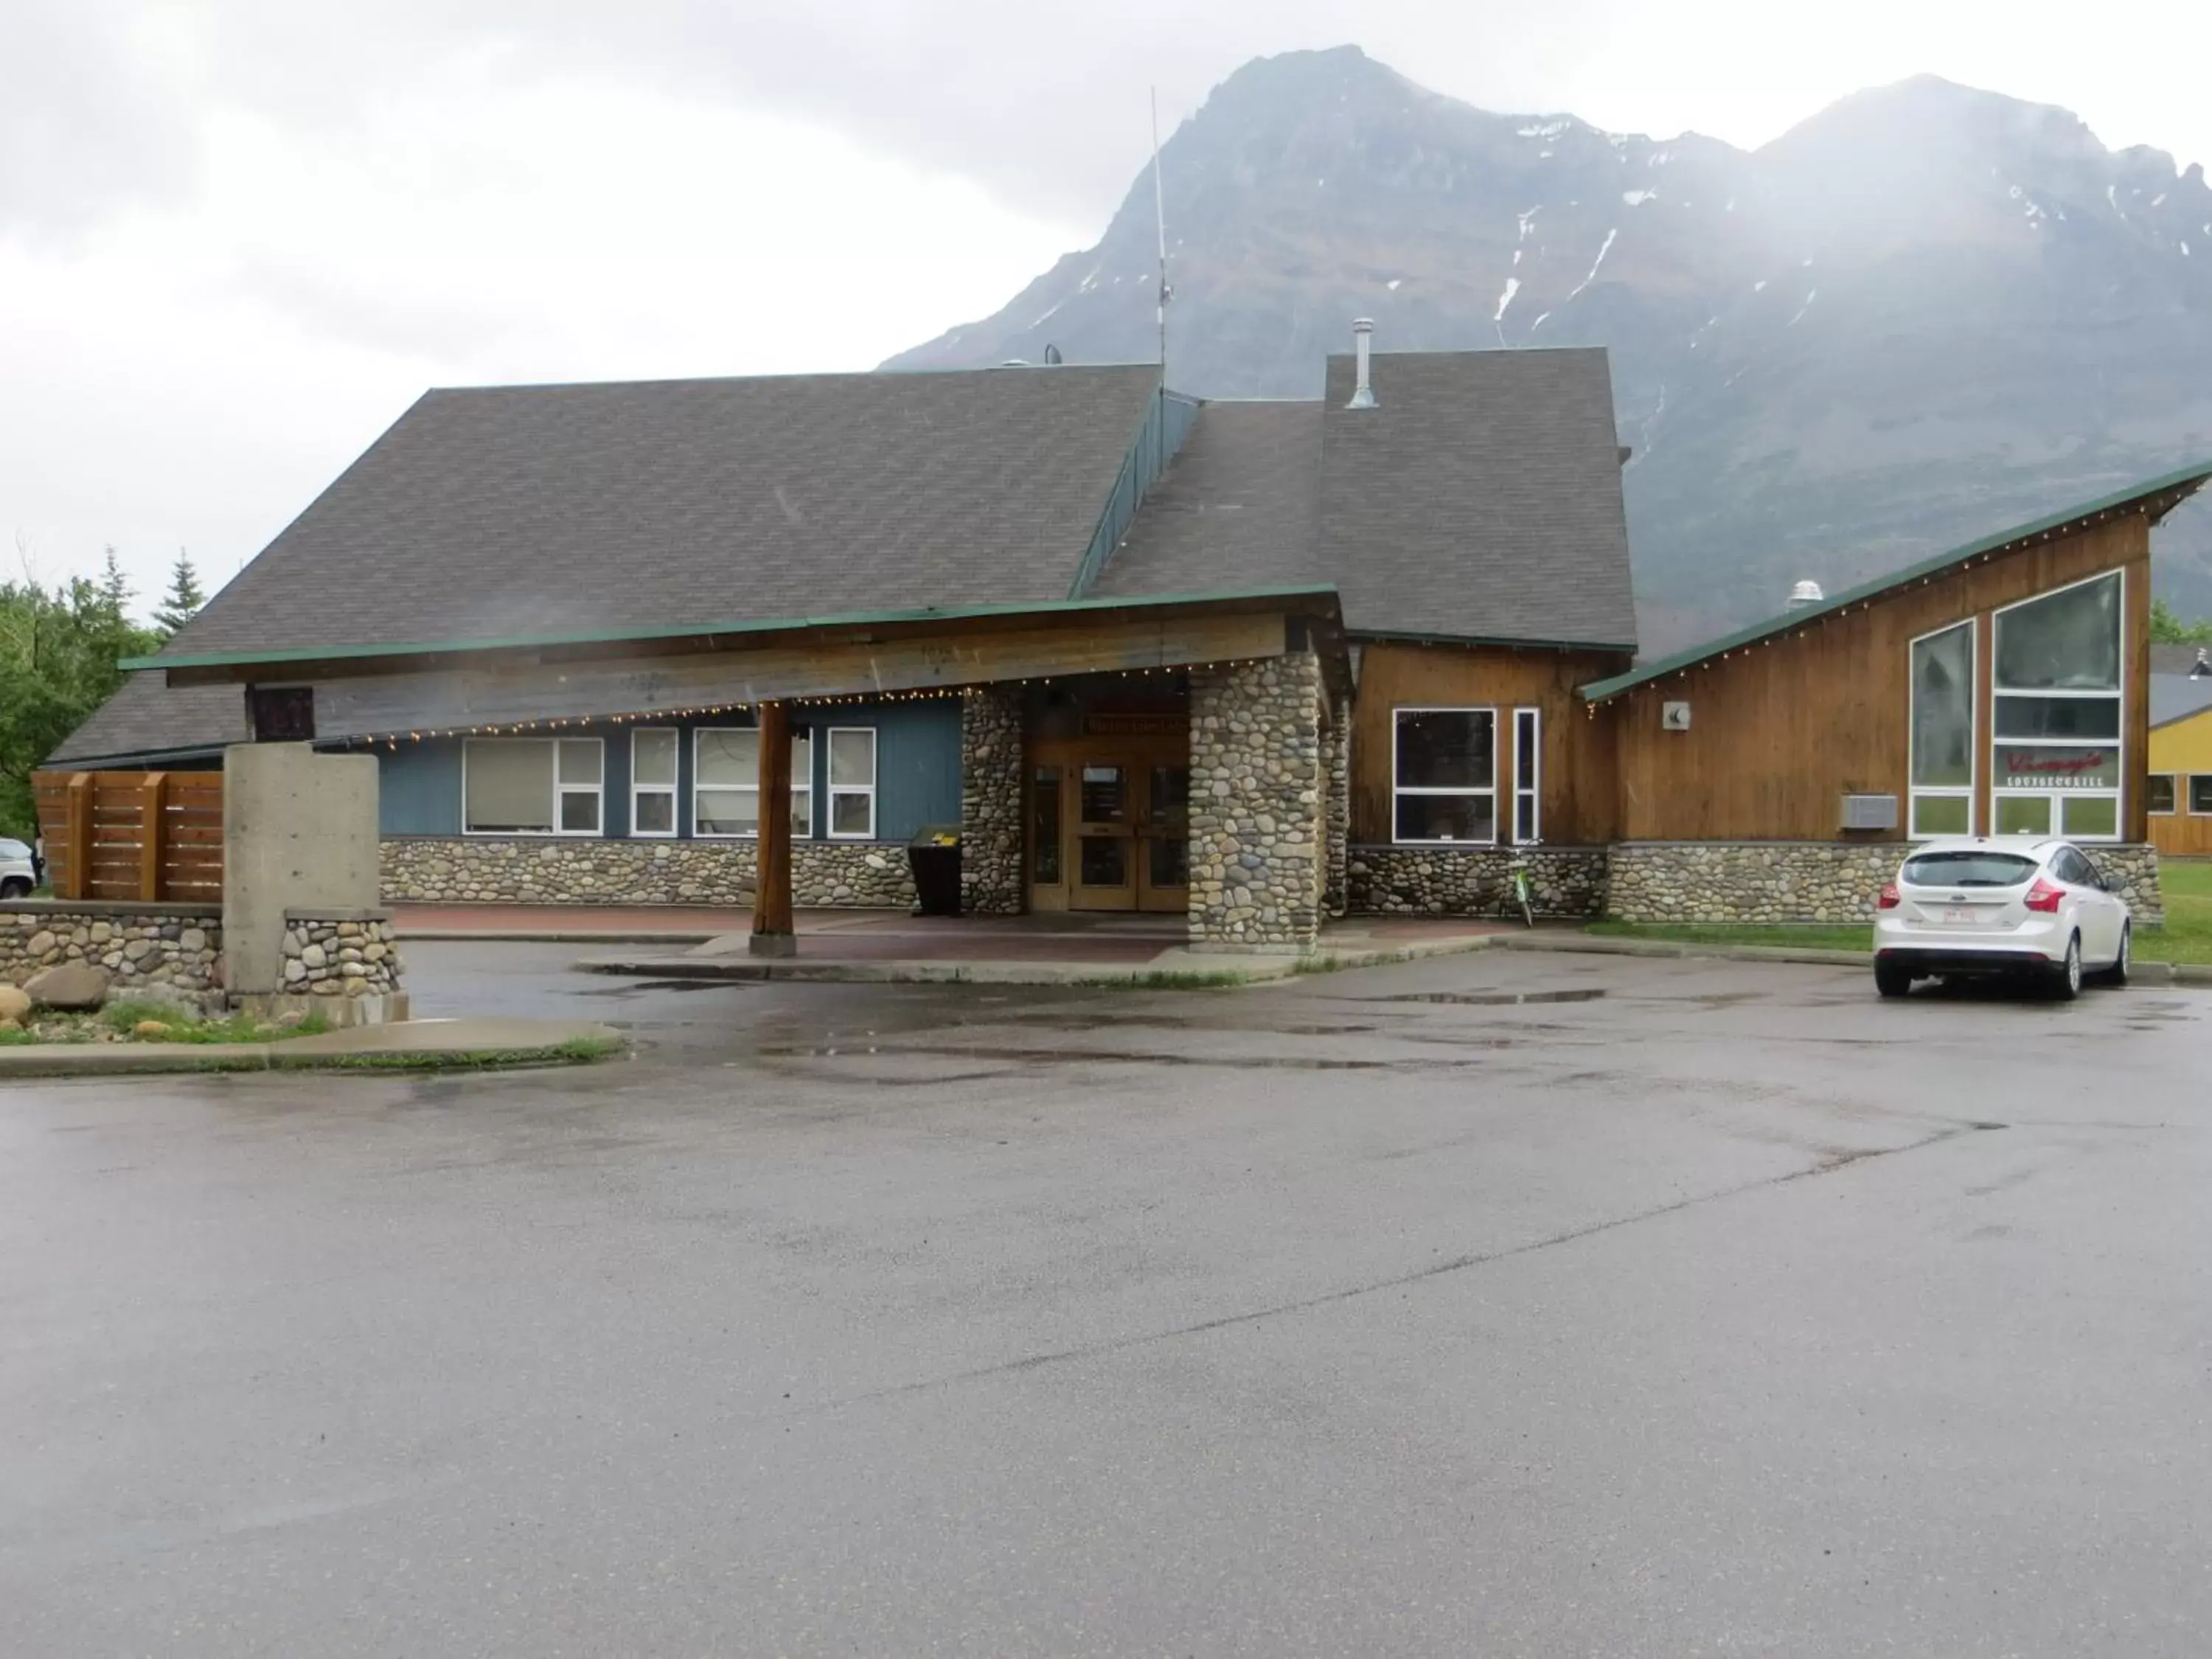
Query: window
653 782
2200 793
1942 723
852 782
1444 765
726 783
2160 794
1527 772
1976 869
532 786
2057 693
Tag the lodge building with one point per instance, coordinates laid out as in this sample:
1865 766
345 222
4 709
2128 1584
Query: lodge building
1253 662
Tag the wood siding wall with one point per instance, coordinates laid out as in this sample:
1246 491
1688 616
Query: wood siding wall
1576 800
1781 730
2183 749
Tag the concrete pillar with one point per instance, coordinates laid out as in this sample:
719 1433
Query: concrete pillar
1336 770
991 800
1256 787
299 832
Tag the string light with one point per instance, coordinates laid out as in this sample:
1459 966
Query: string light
704 711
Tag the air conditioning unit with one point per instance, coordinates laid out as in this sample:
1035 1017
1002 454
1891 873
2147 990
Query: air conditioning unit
1869 811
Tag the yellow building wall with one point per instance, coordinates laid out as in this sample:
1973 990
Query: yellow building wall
2182 748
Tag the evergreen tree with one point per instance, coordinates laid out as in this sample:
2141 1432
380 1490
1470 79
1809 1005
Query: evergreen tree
114 588
184 599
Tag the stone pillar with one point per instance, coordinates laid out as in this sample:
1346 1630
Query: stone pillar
1336 769
1256 790
991 800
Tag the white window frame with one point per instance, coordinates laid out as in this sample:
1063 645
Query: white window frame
2176 778
832 789
802 790
1527 776
1398 789
597 790
674 788
2119 794
1975 742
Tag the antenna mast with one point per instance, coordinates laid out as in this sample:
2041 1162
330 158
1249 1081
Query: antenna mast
1160 215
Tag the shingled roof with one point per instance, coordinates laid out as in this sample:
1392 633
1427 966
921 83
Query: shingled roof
495 512
1480 499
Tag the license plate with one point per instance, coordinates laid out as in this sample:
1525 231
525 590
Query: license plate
1962 916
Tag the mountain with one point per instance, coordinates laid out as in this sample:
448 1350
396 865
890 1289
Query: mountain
1923 314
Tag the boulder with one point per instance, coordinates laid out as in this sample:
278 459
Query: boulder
72 987
14 1004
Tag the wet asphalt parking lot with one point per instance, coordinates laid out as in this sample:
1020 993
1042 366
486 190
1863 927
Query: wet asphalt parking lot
1501 1305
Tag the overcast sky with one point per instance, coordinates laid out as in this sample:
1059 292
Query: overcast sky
238 237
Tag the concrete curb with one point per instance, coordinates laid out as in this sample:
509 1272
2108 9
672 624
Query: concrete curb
551 936
1188 968
425 1044
2179 973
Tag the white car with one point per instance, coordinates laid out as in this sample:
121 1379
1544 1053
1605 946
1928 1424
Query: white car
19 873
2025 905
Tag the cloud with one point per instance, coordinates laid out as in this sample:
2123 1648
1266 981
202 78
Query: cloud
92 116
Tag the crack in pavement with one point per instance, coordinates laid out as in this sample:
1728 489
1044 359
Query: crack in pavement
1435 1270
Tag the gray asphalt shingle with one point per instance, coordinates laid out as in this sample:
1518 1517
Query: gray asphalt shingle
489 513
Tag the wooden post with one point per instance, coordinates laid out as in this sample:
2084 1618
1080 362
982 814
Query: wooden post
79 850
773 932
151 795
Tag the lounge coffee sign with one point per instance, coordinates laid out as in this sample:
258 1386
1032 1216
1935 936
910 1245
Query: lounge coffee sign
2047 768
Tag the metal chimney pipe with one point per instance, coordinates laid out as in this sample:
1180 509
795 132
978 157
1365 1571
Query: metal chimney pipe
1363 331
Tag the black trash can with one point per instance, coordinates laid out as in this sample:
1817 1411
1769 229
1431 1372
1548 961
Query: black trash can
934 855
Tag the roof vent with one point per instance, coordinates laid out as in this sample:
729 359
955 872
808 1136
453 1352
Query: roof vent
1805 595
1363 332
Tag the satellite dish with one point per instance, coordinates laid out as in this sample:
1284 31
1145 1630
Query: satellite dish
1052 353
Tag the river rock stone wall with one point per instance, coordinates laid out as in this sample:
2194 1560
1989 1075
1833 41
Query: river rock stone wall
2133 872
179 947
339 953
1565 882
1762 881
1255 805
537 870
991 800
1336 816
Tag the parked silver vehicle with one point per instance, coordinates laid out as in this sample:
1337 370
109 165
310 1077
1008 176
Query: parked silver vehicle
19 870
2024 905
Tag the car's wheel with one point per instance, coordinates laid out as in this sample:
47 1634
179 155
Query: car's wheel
2116 975
1891 979
2066 977
14 888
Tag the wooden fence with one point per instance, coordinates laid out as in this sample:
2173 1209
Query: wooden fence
143 835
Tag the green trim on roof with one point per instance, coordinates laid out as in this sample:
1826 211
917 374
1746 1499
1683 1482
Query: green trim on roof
687 631
1601 690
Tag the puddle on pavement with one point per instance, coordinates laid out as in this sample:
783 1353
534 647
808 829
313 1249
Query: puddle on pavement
1492 998
1163 1022
637 986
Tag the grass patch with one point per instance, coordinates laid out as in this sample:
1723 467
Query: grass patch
126 1017
1170 978
2185 938
576 1051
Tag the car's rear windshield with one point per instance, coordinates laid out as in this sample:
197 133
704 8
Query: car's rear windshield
1968 869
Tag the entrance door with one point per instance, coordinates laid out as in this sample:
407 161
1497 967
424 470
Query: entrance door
1107 810
1129 827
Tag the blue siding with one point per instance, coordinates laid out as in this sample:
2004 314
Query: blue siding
917 770
421 787
917 761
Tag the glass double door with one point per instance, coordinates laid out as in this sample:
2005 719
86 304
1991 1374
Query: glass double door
1112 822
